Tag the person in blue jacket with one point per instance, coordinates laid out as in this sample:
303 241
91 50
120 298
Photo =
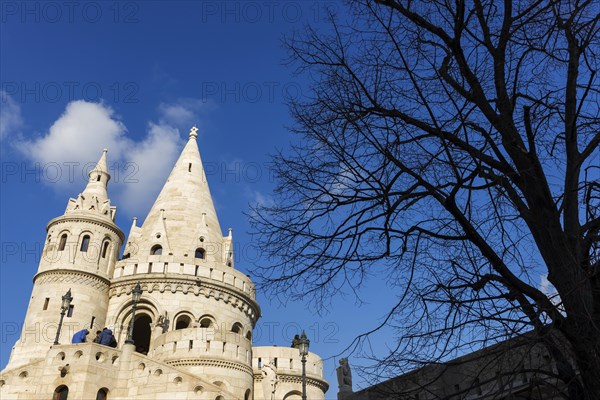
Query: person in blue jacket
107 338
79 337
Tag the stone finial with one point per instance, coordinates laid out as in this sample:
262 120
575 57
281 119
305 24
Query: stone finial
193 132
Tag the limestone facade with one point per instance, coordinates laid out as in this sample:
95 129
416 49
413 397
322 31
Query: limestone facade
193 325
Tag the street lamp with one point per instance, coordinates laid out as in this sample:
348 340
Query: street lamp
303 347
136 293
66 302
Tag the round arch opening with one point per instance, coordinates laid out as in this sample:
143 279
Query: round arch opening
142 332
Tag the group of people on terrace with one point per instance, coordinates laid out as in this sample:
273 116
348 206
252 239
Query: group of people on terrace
104 337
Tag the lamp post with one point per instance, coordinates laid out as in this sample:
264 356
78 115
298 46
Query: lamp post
136 293
303 347
66 302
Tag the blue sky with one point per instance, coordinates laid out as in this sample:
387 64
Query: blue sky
134 77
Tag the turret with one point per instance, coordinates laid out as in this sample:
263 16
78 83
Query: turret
196 311
79 254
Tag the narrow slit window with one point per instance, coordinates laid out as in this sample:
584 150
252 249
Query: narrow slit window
190 167
92 322
46 303
85 243
63 242
98 178
70 311
105 249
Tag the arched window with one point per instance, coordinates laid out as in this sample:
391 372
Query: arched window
249 335
206 322
105 248
102 394
156 250
61 393
247 394
183 322
62 242
237 328
85 243
200 253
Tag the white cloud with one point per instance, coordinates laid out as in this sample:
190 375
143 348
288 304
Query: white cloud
10 115
150 163
138 168
78 136
183 112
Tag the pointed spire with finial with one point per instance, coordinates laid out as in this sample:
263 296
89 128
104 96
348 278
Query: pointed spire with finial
194 133
184 214
98 179
94 197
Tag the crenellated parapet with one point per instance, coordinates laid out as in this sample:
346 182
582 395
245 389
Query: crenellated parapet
197 345
229 277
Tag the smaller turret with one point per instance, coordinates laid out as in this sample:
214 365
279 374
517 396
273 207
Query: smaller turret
79 254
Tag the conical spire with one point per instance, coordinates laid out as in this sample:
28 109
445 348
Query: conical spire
98 179
183 217
94 197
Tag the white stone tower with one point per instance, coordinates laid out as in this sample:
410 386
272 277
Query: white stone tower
192 331
79 253
197 312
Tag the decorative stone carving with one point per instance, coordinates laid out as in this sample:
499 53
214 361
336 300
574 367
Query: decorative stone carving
344 376
269 381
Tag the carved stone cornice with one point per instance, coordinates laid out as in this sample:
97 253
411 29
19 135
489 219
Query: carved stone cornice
210 362
297 380
192 285
71 276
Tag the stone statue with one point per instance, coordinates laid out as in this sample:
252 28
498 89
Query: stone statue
344 376
296 342
269 381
